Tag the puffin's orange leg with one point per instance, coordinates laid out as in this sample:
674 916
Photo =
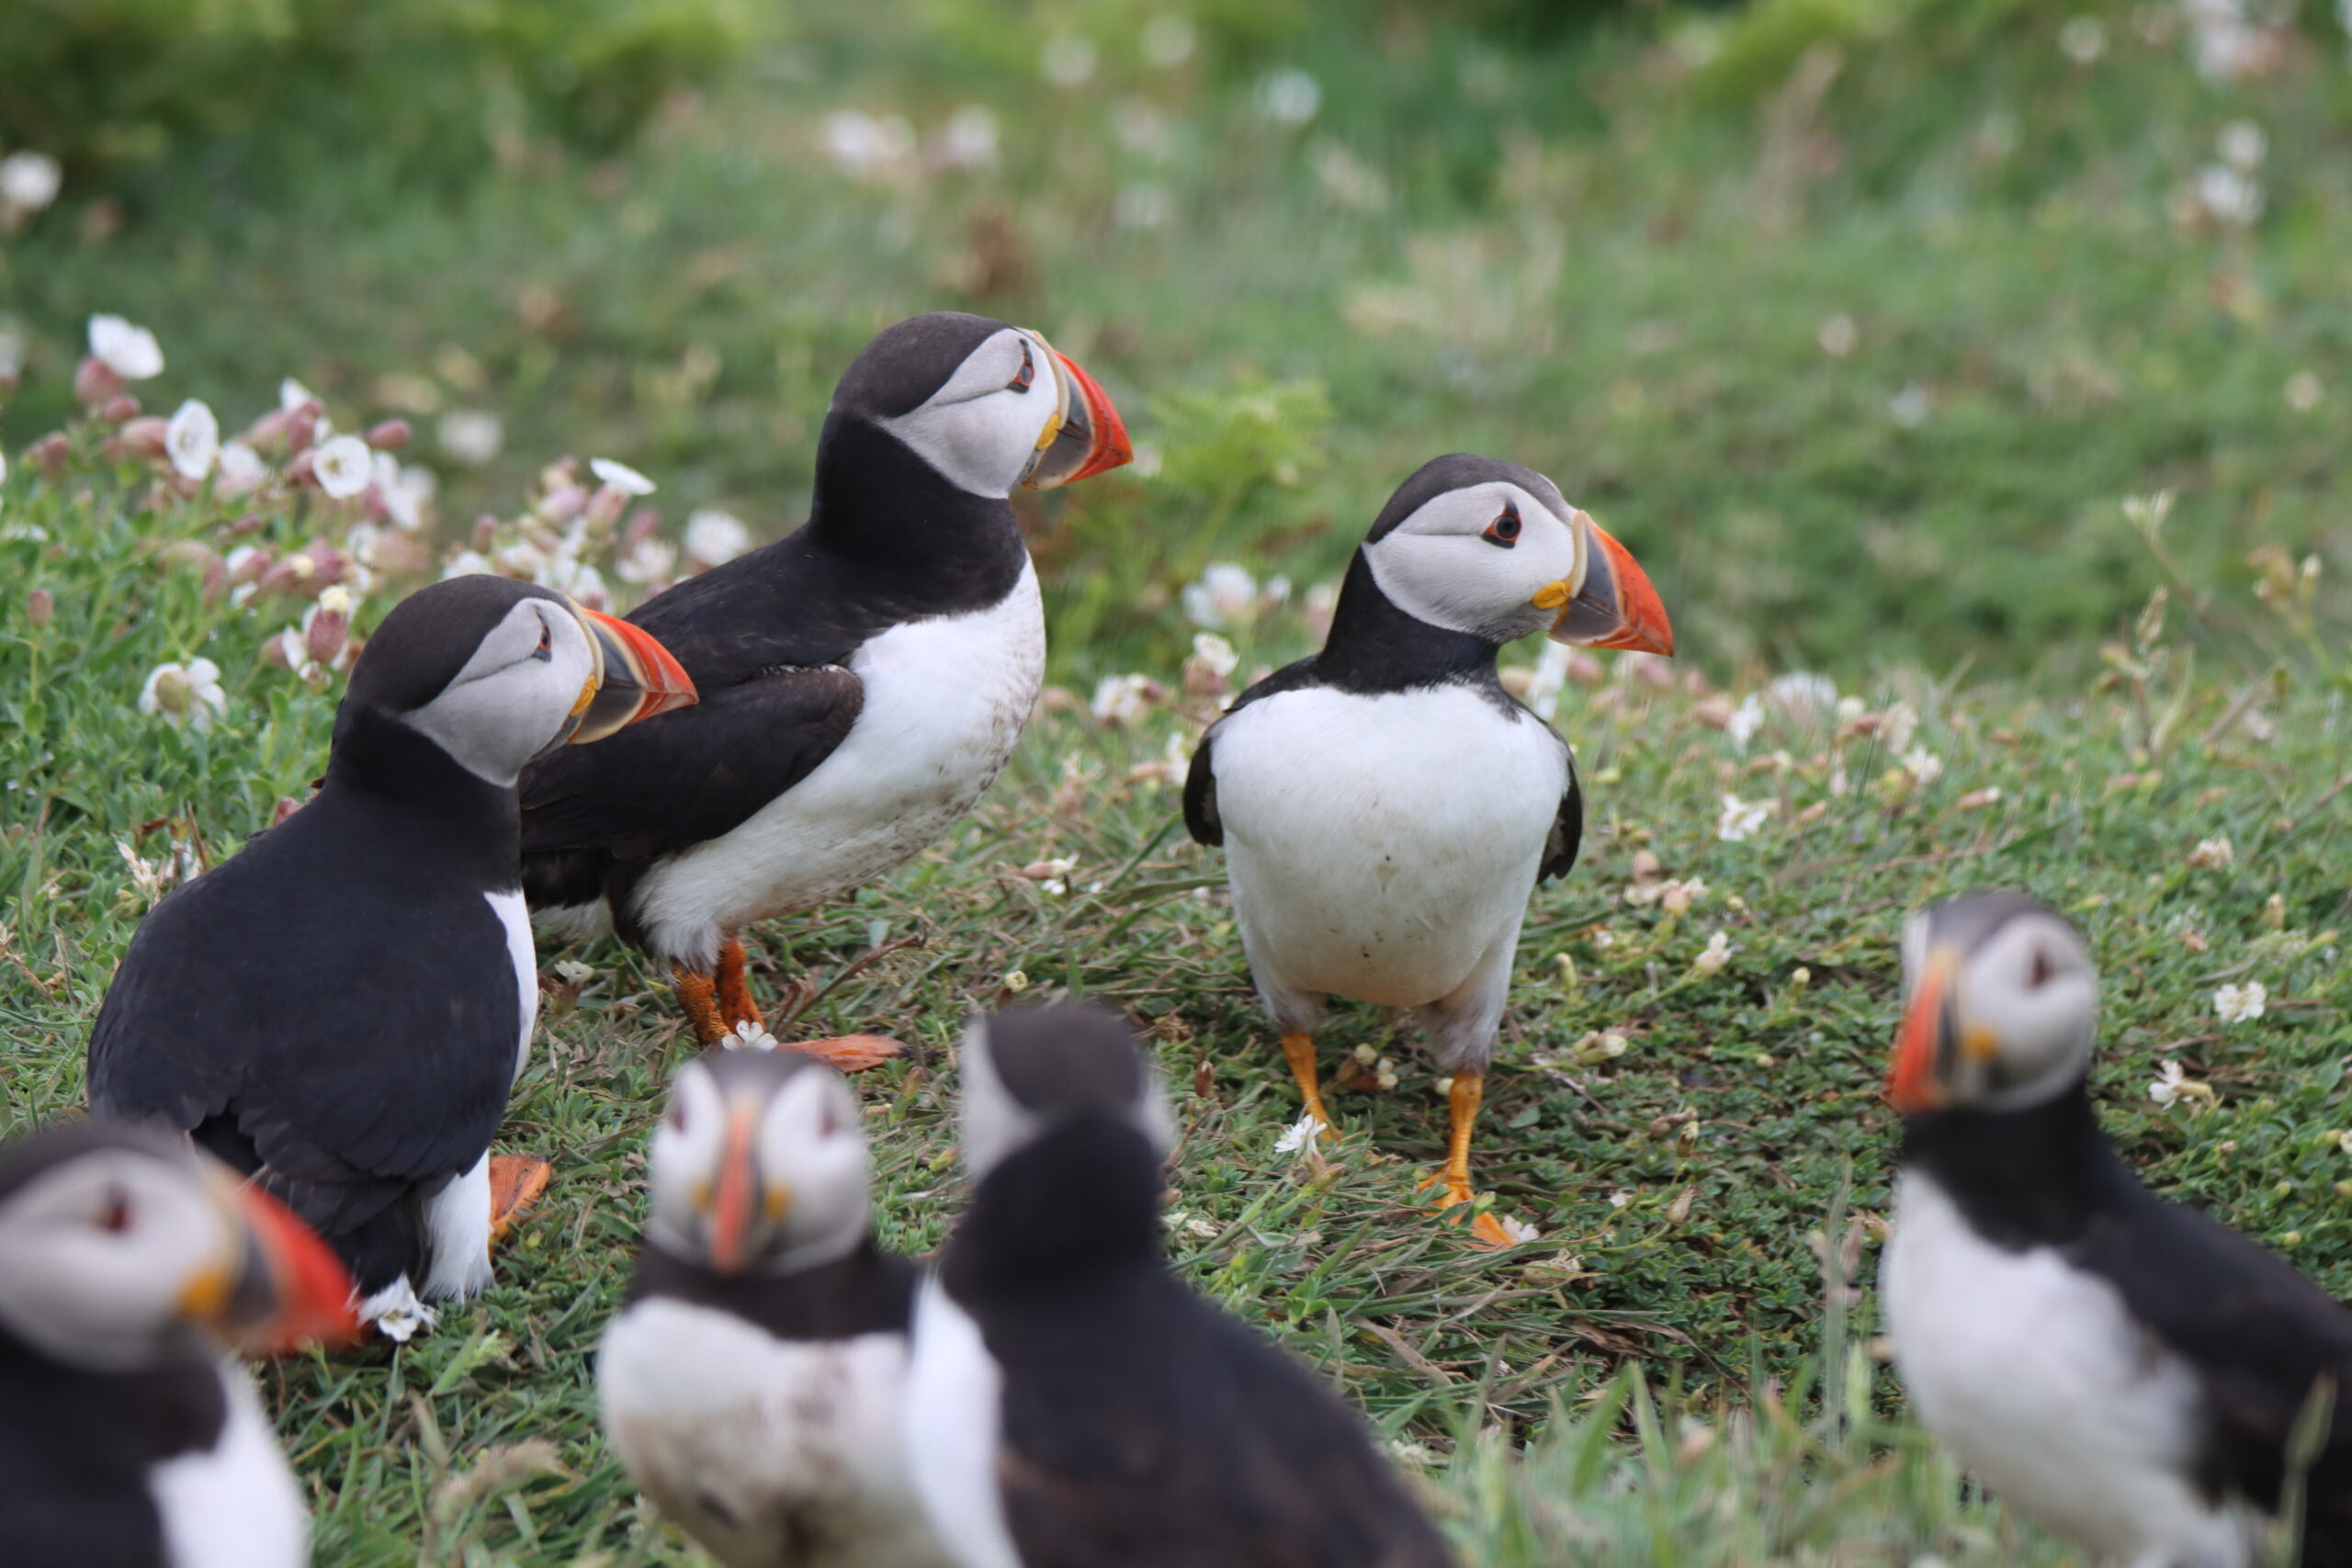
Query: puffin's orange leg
698 994
735 1003
515 1183
1469 1091
850 1052
1298 1050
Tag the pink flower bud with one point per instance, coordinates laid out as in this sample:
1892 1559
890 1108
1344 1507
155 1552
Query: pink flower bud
301 429
250 563
145 438
1585 668
216 579
250 523
273 653
301 472
562 505
94 384
389 436
485 531
287 805
119 410
267 434
605 508
49 454
330 631
644 524
40 607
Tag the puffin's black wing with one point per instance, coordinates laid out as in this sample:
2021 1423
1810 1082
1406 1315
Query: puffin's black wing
691 776
1568 831
2260 1336
1200 780
334 1003
1152 1430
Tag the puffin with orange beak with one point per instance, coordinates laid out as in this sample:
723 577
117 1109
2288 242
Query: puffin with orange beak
863 680
131 1266
341 1010
2127 1371
751 1381
1385 807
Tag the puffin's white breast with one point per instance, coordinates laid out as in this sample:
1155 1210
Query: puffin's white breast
1378 846
953 1420
236 1504
944 701
2036 1375
769 1451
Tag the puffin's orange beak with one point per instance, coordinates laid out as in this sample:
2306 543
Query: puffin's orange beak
639 677
733 1197
1616 607
1912 1083
1091 438
285 1289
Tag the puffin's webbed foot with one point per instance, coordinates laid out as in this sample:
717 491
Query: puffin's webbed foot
515 1183
1298 1050
850 1052
1469 1091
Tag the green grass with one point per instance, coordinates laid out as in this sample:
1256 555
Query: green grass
1593 255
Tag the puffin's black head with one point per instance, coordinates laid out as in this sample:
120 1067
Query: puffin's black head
122 1249
496 671
759 1164
1486 548
987 405
1029 1070
2002 1003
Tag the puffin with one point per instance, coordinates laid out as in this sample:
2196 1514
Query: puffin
754 1378
863 680
2128 1371
1384 806
341 1010
1070 1402
131 1266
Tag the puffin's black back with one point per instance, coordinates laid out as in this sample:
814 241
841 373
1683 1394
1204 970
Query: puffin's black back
336 1001
1143 1425
75 1445
2257 1334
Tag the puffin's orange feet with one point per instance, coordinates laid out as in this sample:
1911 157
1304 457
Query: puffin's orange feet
698 994
736 1006
850 1052
1454 1207
515 1183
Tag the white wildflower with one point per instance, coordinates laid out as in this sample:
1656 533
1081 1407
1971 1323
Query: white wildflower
1900 722
130 352
2212 854
1910 407
1740 819
748 1036
185 693
1520 1231
397 1313
2241 1004
715 538
242 472
2242 146
344 467
648 561
1067 60
1224 597
468 563
571 971
407 489
471 436
1713 957
192 440
1300 1134
1923 764
1803 692
1289 97
2175 1087
969 139
2083 40
859 144
1837 336
1120 700
292 395
2304 390
29 180
1744 721
620 475
1168 40
2228 197
1216 652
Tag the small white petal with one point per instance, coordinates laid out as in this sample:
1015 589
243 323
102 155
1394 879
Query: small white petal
620 475
130 352
193 439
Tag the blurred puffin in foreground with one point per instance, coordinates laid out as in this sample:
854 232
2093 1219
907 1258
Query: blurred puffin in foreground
863 680
1071 1402
2125 1370
1384 806
752 1381
130 1265
341 1010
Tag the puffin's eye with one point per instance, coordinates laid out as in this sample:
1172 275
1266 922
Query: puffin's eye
1027 375
1504 529
677 1115
545 650
2042 972
115 1215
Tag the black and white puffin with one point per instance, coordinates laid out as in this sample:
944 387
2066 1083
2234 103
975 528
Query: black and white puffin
2126 1370
1070 1402
863 680
341 1010
130 1266
1384 806
752 1381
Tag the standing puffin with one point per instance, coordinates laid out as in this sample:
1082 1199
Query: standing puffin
863 680
2126 1370
1071 1402
341 1010
128 1265
751 1382
1384 806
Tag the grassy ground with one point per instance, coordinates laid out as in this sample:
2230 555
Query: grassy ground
1622 259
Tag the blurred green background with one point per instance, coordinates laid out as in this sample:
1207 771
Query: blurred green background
1856 319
